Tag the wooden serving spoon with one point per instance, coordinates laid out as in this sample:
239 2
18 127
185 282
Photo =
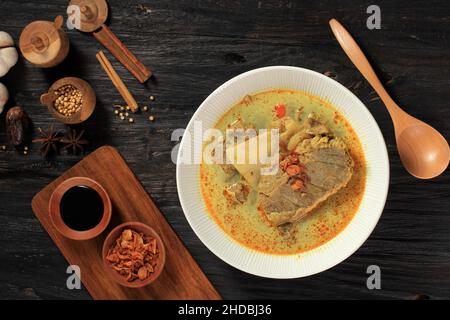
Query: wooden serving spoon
423 150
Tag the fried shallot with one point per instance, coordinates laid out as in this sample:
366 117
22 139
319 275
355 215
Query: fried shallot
134 255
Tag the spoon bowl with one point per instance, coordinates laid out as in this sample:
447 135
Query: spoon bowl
423 151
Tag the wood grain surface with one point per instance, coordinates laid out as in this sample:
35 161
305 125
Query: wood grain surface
193 46
181 277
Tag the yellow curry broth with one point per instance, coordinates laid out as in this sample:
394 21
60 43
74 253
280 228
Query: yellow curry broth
243 222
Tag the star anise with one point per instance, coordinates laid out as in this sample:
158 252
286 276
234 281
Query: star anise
74 142
49 141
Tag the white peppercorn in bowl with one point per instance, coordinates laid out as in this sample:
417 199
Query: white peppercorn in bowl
70 100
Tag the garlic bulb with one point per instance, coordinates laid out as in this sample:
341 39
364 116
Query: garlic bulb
5 40
8 53
3 96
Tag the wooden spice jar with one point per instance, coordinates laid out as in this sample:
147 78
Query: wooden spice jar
82 95
44 43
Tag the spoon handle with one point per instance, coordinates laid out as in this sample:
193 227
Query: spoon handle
358 58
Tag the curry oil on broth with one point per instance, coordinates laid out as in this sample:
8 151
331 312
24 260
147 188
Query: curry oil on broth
243 222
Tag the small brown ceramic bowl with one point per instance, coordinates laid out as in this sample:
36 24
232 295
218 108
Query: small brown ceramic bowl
87 108
55 212
141 228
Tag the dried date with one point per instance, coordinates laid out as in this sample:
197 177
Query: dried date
18 125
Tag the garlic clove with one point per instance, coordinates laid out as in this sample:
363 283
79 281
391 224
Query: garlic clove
8 53
6 40
4 68
4 95
9 56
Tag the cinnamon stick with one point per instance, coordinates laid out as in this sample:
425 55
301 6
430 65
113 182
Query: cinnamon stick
118 83
122 53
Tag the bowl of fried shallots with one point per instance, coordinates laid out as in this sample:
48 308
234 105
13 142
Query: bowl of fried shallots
133 254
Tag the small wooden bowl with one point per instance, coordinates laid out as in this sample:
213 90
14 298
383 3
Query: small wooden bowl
146 230
87 108
55 213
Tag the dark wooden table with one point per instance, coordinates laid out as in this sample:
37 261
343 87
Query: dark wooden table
193 46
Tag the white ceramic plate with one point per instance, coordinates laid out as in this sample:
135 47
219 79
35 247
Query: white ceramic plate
335 250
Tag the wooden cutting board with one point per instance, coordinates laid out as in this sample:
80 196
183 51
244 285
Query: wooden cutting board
182 278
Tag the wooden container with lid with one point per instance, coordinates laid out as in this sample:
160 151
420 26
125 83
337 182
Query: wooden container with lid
44 43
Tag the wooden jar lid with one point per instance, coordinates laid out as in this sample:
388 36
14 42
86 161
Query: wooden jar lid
93 14
44 43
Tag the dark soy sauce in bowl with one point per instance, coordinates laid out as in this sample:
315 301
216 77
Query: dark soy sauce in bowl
81 208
